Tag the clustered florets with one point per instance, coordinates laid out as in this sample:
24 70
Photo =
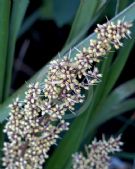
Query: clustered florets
31 134
97 154
110 32
36 122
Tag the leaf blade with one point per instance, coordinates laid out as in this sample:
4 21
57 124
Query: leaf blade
4 25
18 12
81 120
82 19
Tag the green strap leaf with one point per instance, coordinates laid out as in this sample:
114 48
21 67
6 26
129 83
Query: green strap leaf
126 155
100 13
114 111
114 104
17 15
4 26
82 18
102 117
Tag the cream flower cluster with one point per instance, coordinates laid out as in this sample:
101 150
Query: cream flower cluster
30 134
110 32
97 154
36 122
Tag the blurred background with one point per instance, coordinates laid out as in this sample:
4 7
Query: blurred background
46 30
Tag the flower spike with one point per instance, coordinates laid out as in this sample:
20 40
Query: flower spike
97 154
35 123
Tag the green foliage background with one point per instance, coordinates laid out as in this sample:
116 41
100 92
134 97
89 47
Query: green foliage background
107 102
